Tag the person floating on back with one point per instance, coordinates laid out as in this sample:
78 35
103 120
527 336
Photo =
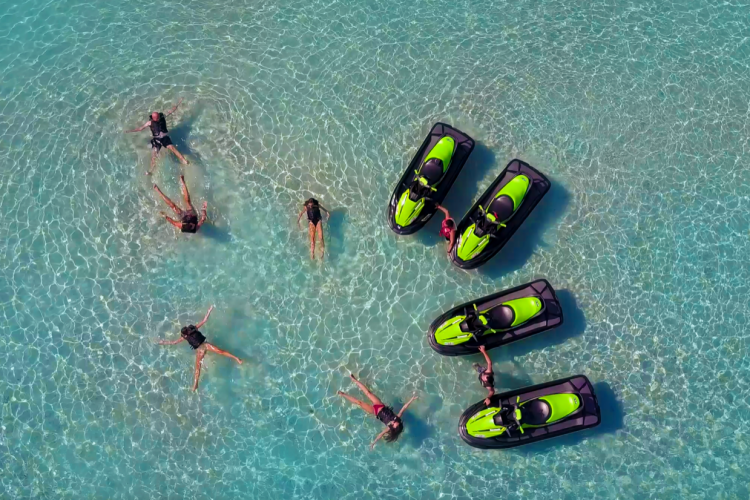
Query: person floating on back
315 224
160 138
393 424
198 342
189 222
486 376
447 228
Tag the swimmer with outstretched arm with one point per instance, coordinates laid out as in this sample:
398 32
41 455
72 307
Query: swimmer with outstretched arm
198 342
189 222
393 424
160 136
486 375
448 227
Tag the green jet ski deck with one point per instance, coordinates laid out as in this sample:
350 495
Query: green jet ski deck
517 177
463 146
549 316
542 411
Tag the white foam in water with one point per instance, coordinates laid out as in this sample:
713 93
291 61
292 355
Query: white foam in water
636 113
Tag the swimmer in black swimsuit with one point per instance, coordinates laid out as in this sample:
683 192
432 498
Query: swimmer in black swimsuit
486 376
189 222
393 424
198 342
315 224
160 138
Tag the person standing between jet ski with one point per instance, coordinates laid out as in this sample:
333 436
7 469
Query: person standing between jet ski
160 137
486 376
447 228
198 342
393 424
189 222
315 224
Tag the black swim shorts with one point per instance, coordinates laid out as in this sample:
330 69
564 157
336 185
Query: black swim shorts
158 142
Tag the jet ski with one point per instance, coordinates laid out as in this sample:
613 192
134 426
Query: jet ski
501 209
496 320
531 414
428 178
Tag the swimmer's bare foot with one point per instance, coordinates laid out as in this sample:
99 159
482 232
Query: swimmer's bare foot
351 376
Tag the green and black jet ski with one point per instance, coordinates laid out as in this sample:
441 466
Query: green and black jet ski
428 178
531 414
503 207
496 320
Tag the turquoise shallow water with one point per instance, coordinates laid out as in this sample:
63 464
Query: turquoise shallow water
637 112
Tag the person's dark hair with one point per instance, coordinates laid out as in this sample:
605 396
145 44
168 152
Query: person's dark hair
185 331
450 223
392 433
312 201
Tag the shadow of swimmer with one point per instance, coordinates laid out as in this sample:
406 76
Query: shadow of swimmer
220 234
333 231
416 429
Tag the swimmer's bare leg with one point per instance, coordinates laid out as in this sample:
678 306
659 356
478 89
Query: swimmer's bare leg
366 407
362 387
198 358
185 193
175 223
204 216
215 349
168 201
311 231
319 228
154 156
179 156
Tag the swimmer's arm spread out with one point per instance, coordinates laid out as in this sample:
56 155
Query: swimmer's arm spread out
300 216
171 342
174 109
203 218
403 409
378 438
205 318
452 241
444 210
147 124
486 358
325 210
491 392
